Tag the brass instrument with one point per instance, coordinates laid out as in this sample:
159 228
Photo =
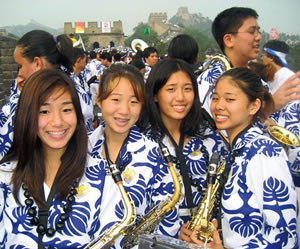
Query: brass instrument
283 136
138 45
202 217
107 238
218 57
148 222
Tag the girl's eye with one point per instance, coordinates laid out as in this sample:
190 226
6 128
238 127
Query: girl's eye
230 99
68 110
171 89
214 98
44 112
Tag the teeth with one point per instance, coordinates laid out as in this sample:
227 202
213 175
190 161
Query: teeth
179 107
121 120
56 133
221 116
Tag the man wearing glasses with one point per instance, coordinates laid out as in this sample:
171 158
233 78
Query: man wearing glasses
238 35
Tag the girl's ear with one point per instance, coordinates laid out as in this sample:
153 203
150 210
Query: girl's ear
255 106
39 63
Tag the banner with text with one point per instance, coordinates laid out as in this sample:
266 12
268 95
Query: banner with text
106 27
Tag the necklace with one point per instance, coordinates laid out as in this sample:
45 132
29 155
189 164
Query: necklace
44 212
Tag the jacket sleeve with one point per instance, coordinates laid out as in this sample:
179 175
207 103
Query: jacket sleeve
7 115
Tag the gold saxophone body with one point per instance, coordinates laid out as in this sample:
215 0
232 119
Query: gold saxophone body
148 222
107 238
202 217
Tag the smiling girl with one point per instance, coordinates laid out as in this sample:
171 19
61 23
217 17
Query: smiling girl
175 118
119 141
48 197
259 199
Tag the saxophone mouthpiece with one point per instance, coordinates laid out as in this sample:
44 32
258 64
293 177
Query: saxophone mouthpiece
212 168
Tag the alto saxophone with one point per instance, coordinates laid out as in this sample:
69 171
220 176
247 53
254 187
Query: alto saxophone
202 217
148 222
107 238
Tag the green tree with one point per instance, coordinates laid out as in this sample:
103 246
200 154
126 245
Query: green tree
150 37
293 58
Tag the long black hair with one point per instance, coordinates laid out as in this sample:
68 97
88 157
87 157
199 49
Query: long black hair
192 123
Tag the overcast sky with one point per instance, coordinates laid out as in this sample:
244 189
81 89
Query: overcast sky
281 14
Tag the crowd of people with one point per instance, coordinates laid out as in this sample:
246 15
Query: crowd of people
76 121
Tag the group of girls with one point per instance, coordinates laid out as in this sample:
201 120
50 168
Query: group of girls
56 185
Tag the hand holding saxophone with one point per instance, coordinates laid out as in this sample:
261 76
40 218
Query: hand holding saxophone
192 237
215 244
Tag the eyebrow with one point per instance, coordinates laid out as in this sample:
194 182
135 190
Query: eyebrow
119 94
64 103
173 84
226 93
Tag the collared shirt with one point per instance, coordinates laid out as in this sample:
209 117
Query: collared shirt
82 225
145 177
259 201
197 153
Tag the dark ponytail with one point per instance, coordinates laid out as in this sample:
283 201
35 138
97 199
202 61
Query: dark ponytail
58 51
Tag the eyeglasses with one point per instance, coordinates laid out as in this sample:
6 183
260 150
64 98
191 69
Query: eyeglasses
255 32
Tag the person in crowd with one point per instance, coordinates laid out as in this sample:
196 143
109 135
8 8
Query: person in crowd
174 118
265 71
139 64
94 67
186 48
78 68
38 50
238 35
49 197
117 58
259 201
106 59
118 141
150 56
275 53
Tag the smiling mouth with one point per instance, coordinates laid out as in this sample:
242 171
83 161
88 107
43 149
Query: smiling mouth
220 118
57 133
121 120
179 107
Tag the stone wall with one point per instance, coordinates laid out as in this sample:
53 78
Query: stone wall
158 22
95 34
8 68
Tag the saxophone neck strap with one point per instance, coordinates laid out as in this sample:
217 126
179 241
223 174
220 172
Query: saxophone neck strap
183 170
109 161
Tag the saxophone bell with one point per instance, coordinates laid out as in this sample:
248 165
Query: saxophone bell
283 136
